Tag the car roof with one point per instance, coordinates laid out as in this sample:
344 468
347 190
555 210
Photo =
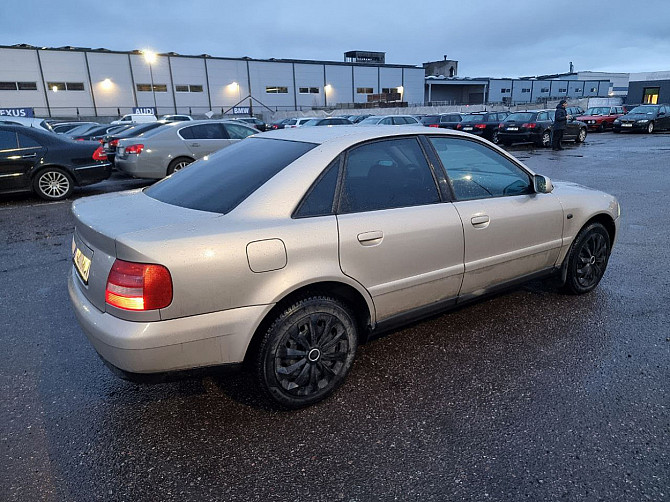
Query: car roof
323 135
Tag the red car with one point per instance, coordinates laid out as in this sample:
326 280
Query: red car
600 118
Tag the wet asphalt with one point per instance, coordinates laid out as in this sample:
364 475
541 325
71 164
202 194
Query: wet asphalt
528 395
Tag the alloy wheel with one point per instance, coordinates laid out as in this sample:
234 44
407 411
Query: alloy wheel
592 260
53 184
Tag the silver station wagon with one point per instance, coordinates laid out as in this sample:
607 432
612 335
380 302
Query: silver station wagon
171 147
286 250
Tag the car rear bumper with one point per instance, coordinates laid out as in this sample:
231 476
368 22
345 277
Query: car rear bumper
213 339
87 175
133 166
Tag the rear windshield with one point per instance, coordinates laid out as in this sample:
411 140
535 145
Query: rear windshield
229 176
649 110
370 120
473 118
598 110
519 117
430 119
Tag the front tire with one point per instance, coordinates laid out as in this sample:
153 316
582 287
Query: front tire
545 140
650 127
53 183
581 136
307 352
494 138
587 259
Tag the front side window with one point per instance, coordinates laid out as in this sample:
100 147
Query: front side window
387 174
237 131
477 172
26 141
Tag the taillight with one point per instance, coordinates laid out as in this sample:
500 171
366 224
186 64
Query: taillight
501 125
434 125
134 149
101 141
480 126
99 154
459 126
114 143
138 286
529 125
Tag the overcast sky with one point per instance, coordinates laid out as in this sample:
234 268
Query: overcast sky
494 38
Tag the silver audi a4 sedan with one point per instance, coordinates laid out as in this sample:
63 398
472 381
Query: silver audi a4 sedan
286 250
169 148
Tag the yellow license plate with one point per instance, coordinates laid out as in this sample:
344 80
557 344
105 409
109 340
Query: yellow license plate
82 264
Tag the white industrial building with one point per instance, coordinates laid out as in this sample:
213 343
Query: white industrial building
70 81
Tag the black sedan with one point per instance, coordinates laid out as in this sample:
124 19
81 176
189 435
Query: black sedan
645 118
535 126
97 133
482 124
111 141
48 164
443 120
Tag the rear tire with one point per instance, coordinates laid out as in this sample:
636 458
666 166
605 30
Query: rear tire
178 164
494 138
53 183
307 352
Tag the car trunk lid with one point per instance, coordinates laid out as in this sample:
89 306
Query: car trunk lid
100 221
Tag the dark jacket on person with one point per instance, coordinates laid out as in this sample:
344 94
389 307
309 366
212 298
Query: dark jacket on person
561 118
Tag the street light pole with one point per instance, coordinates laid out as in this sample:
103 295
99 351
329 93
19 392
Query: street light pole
150 57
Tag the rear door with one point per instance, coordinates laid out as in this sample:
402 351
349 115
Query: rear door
398 238
510 231
18 153
203 139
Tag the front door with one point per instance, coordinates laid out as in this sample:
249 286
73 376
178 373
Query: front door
16 160
510 231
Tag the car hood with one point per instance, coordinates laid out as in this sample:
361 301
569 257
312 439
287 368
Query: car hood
104 220
638 116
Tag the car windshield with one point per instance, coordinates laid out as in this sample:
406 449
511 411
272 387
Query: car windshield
645 109
75 131
312 122
520 117
370 120
473 118
223 181
597 111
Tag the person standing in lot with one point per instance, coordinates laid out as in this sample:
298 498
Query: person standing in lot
560 122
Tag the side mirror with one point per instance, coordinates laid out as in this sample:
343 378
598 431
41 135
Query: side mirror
542 184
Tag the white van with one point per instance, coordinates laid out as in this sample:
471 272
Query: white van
135 118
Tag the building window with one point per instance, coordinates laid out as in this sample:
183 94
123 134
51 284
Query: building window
276 90
181 88
27 86
562 90
195 88
544 89
504 90
651 95
74 86
594 89
7 86
56 86
147 87
364 90
308 90
577 90
390 90
525 90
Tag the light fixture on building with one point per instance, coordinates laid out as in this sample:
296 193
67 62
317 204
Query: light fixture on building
54 88
150 57
107 84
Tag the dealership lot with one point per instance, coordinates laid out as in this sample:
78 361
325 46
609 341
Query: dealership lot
528 395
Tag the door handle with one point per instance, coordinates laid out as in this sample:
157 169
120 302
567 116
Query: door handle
481 221
195 144
370 238
29 156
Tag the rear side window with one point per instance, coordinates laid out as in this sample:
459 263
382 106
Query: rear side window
387 174
238 132
219 184
319 200
26 141
8 140
203 131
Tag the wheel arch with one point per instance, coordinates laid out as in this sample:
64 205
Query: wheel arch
341 291
606 221
42 167
176 159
